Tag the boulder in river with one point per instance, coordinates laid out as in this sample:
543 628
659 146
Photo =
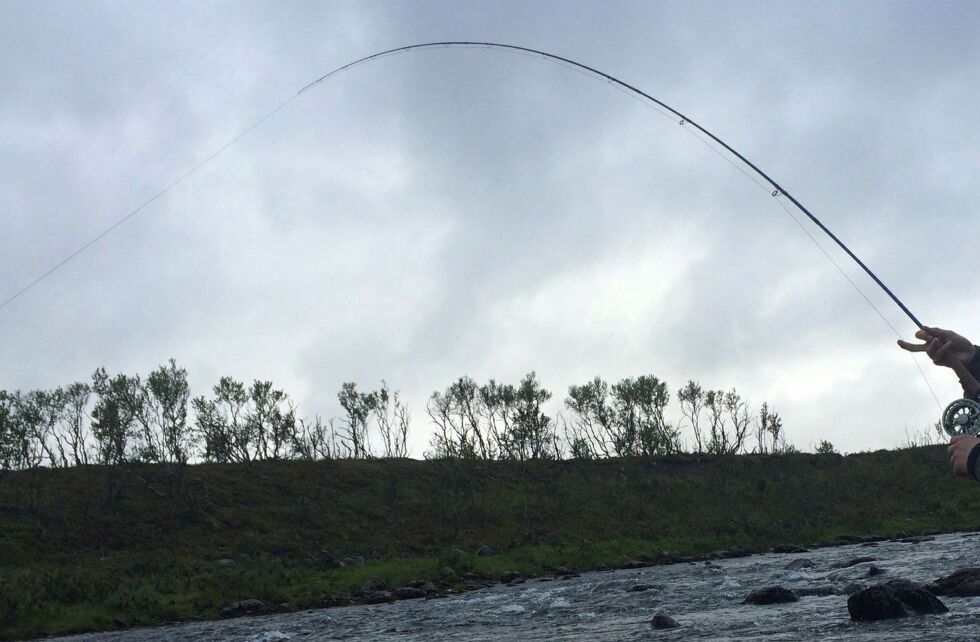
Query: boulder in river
797 564
770 595
663 621
874 570
895 598
637 588
963 583
243 607
858 560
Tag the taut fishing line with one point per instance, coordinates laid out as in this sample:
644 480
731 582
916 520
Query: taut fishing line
713 142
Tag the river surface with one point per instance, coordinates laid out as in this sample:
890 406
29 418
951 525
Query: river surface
704 598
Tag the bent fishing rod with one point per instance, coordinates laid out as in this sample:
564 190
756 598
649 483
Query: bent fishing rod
683 119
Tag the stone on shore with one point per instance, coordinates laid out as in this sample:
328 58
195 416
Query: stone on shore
242 607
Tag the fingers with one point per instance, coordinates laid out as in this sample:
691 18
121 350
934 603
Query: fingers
938 332
912 347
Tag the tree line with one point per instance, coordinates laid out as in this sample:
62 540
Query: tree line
131 419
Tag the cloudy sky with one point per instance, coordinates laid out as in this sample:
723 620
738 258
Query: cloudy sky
453 212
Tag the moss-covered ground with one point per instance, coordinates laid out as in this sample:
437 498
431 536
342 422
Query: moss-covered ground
93 548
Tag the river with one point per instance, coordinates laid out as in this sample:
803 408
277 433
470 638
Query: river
705 598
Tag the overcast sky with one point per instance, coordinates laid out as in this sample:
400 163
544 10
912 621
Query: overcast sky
455 212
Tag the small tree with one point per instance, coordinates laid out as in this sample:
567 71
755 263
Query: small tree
271 421
358 406
220 423
496 404
824 447
691 400
531 432
640 406
165 397
393 420
74 436
315 440
457 418
118 403
769 432
7 432
593 420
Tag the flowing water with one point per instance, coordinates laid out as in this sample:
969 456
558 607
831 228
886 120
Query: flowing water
704 598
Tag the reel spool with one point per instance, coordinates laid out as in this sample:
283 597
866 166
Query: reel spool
962 417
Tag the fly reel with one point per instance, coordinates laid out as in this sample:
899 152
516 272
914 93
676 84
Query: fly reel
962 417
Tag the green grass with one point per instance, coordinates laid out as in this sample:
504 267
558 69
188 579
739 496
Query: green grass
70 560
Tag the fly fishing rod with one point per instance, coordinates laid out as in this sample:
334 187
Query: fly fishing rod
961 416
683 119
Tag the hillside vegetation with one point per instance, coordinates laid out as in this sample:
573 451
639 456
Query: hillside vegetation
98 547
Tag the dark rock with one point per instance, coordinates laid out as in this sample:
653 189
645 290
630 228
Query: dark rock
562 570
963 583
509 576
446 572
663 621
788 548
285 607
485 551
637 588
673 557
519 580
353 560
409 593
378 597
631 564
372 584
874 571
737 551
225 562
918 539
858 560
600 567
330 600
796 565
895 598
429 588
242 607
770 595
869 544
417 583
570 576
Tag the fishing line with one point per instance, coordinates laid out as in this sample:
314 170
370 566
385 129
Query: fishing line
565 62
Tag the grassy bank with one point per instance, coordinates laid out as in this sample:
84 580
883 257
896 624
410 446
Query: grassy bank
95 548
